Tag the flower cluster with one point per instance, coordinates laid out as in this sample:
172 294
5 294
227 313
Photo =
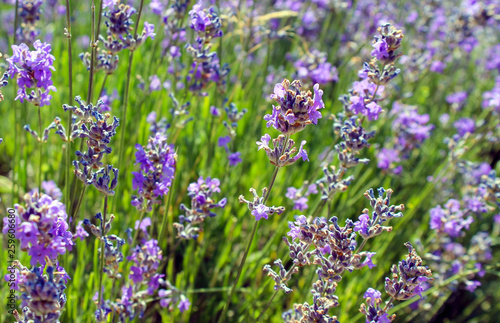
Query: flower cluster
206 65
373 310
234 116
382 212
384 52
314 68
42 228
333 253
157 168
299 196
282 150
364 96
408 276
296 109
34 72
201 193
491 99
234 158
112 244
451 220
120 35
332 182
146 258
56 124
258 208
354 139
206 23
410 130
172 295
94 126
43 297
29 11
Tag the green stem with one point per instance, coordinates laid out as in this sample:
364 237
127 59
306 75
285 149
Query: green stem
76 213
93 50
247 249
40 138
16 19
101 271
361 245
15 160
136 234
123 119
165 214
103 85
267 305
70 80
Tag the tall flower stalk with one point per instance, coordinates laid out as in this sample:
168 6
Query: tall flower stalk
295 110
70 115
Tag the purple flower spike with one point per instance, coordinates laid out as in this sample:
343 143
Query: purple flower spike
296 108
34 71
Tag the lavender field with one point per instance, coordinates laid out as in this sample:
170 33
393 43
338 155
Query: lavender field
250 161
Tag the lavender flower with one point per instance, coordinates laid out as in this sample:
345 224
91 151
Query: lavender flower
333 253
407 277
201 193
29 12
257 207
234 116
171 295
43 295
491 99
299 196
34 71
4 81
332 182
157 169
450 220
313 67
107 100
385 51
205 22
382 212
464 126
281 153
388 159
146 260
42 228
90 168
373 308
354 139
296 108
50 188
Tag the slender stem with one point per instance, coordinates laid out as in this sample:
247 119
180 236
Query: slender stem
103 85
267 305
15 167
40 138
138 18
101 271
70 116
247 249
98 29
16 19
165 214
93 50
124 111
76 213
136 234
214 290
361 245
